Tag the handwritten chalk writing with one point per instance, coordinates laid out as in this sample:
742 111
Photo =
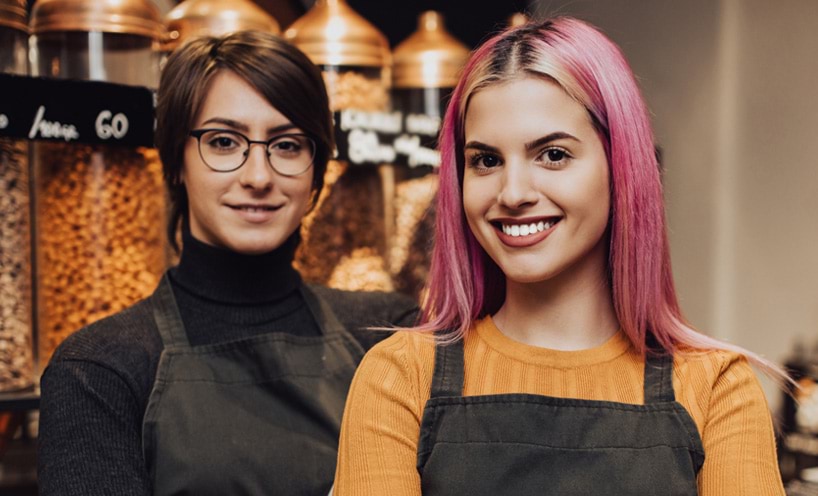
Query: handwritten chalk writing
405 144
422 124
365 147
54 129
424 156
108 125
384 122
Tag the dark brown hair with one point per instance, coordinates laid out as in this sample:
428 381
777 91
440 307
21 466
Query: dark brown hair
279 71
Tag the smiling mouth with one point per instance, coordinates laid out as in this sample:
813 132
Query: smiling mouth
254 208
518 230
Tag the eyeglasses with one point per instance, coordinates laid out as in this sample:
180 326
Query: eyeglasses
223 150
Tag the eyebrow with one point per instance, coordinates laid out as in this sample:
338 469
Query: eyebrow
548 138
244 128
476 145
481 146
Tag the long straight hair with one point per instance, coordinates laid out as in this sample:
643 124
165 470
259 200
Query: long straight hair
464 282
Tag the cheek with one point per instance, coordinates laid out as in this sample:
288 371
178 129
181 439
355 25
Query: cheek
475 191
301 192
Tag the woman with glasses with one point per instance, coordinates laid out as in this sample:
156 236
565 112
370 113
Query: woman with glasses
231 378
562 364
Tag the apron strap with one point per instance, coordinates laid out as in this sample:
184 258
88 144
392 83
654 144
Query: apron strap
658 373
166 315
321 311
448 375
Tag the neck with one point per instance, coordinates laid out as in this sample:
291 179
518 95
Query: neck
572 311
225 276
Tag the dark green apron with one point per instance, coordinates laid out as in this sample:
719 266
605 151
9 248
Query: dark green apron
254 416
525 444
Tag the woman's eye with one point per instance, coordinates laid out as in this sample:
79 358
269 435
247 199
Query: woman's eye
222 143
554 156
286 146
484 161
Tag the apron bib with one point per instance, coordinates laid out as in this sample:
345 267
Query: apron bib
253 416
525 444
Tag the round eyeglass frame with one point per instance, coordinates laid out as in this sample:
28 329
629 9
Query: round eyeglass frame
198 133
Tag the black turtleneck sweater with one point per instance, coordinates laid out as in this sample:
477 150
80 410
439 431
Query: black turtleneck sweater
96 387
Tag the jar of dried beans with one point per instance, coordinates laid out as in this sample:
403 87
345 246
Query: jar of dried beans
100 204
426 68
345 236
16 341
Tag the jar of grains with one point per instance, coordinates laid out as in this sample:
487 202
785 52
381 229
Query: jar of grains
16 341
344 238
426 68
100 209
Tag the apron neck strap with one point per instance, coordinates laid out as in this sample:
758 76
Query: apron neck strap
166 315
448 375
321 312
658 373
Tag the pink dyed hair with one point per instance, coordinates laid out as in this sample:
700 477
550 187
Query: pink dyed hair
465 284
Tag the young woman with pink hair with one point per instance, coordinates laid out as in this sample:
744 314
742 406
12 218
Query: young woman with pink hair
562 363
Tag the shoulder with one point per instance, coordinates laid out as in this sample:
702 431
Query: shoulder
711 381
360 309
710 367
403 362
126 343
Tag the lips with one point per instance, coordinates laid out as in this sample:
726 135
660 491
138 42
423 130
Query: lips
525 232
255 213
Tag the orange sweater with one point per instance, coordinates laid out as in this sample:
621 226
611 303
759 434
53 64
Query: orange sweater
378 447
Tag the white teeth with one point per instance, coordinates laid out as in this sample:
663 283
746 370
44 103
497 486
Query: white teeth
255 209
517 230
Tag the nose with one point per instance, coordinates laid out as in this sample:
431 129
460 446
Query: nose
517 188
256 172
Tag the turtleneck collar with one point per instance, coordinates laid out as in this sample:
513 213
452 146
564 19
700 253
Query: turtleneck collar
225 276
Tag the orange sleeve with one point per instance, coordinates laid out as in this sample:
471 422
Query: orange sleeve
738 438
377 452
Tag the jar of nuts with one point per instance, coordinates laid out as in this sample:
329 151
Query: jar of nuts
100 209
426 68
345 237
16 341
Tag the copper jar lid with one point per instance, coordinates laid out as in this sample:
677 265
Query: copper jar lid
430 57
193 18
13 14
331 33
137 17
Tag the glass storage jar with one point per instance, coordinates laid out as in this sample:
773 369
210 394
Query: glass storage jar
344 238
427 65
100 208
16 340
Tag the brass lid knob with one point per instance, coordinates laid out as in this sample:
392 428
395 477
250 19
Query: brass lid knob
13 14
193 18
517 19
331 33
430 57
137 17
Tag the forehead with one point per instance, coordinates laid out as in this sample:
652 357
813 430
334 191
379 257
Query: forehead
522 110
229 96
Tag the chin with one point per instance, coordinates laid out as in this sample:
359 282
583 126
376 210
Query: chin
255 246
